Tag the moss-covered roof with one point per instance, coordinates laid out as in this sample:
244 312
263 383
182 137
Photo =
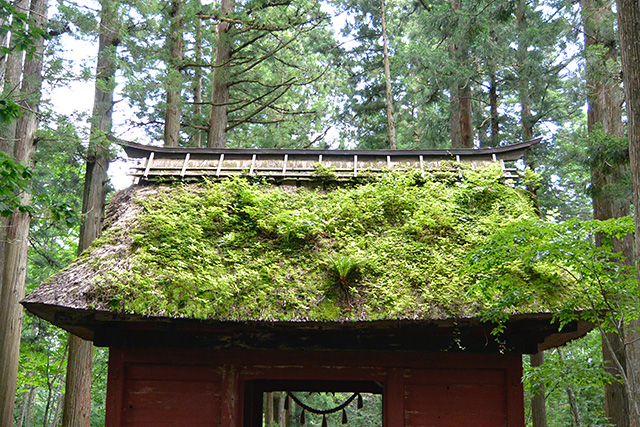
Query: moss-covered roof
389 248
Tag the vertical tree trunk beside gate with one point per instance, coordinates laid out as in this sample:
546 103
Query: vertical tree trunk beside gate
391 122
629 29
14 252
77 403
10 87
460 105
538 407
604 113
175 44
218 116
527 121
197 85
493 110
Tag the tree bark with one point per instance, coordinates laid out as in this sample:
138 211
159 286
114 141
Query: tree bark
77 402
493 110
461 116
10 88
632 359
571 397
466 125
629 29
454 117
58 410
31 398
460 107
11 85
25 410
197 85
175 45
524 76
14 255
391 122
604 112
268 409
218 116
282 412
538 408
573 406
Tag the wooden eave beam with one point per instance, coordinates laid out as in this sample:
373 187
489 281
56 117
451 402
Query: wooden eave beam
525 333
507 153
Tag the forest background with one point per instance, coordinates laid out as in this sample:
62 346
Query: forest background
365 74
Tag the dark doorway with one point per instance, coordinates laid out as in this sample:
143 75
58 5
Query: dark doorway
287 403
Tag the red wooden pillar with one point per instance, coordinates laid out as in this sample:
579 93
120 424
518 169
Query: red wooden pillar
231 410
515 392
393 398
115 388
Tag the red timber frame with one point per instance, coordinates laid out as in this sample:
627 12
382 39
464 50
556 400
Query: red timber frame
175 387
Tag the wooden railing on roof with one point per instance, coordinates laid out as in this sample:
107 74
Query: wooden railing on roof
161 163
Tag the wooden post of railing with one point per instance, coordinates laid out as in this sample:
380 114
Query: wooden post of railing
149 161
184 165
220 160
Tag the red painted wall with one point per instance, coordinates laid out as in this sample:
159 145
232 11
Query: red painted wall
163 387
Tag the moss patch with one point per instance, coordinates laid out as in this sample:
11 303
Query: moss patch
390 248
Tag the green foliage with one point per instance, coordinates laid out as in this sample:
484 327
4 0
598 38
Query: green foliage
24 35
321 171
56 183
9 111
561 163
606 150
280 67
563 271
344 266
578 365
369 415
23 39
236 249
14 178
426 69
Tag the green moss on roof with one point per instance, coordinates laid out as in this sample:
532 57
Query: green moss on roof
389 248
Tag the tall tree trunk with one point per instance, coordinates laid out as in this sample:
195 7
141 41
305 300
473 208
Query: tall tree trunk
218 116
77 403
11 85
14 255
573 406
454 117
461 114
175 45
571 397
10 89
268 409
391 122
31 398
538 408
57 410
25 409
524 75
197 86
77 400
493 110
282 412
605 113
466 125
460 106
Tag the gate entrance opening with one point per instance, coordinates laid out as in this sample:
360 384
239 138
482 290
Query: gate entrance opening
312 403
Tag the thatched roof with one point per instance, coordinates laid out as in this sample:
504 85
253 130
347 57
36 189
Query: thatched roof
377 254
